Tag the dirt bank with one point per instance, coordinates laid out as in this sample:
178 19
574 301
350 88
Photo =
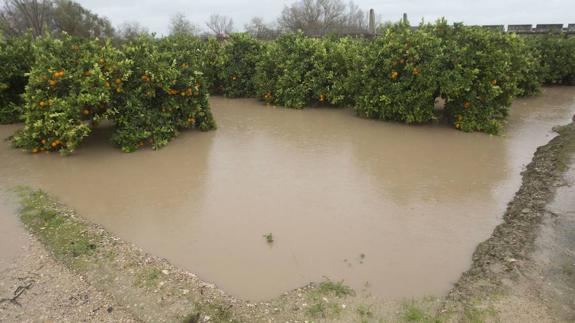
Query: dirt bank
525 271
37 288
515 274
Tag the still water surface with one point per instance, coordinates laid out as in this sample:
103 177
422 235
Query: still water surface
392 209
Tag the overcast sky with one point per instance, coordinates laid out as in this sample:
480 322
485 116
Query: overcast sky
155 15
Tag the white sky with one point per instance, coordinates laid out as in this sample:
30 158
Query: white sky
155 15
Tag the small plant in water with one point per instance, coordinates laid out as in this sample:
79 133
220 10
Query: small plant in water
269 238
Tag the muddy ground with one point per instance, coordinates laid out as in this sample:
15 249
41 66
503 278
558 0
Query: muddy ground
79 272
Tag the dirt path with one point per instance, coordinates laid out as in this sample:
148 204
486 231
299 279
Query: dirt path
524 273
36 288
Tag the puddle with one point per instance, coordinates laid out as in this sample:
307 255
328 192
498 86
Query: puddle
413 200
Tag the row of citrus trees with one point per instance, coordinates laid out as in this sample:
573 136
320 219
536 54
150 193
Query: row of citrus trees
397 76
152 88
74 84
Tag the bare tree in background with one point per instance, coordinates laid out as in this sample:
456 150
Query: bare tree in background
257 28
313 17
19 16
220 25
131 30
356 20
180 25
320 17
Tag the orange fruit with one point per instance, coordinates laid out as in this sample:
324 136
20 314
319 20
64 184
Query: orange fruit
34 150
107 84
394 75
52 83
467 105
86 112
118 81
493 82
416 71
42 104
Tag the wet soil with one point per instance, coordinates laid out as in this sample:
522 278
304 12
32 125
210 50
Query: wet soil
345 198
34 287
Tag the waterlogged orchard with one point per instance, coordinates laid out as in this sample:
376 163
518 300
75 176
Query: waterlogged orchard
151 89
364 161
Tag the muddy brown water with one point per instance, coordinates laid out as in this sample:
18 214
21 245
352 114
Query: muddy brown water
391 209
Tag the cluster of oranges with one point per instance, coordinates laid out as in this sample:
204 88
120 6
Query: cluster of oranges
54 144
58 74
191 120
268 96
145 78
185 92
394 75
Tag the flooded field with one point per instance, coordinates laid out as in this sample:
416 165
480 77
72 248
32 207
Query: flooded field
392 209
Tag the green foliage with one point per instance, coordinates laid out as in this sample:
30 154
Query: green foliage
481 82
401 76
69 86
240 54
269 238
292 72
205 56
158 98
557 57
74 84
16 57
338 289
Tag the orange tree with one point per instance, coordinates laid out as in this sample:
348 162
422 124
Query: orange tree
479 81
400 76
342 69
557 57
145 92
526 63
160 97
240 55
297 71
205 56
16 57
69 87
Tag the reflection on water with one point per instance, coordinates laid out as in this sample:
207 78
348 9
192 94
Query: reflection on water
415 200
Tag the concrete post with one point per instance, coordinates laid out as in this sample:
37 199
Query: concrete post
371 21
